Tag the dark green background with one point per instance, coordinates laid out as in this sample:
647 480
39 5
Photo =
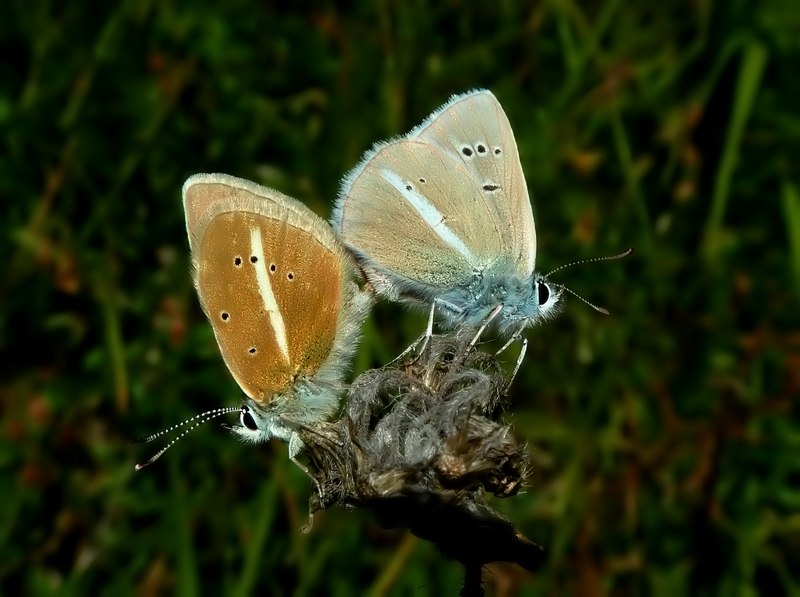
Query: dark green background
665 438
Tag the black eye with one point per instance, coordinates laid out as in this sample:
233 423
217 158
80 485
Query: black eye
248 420
544 292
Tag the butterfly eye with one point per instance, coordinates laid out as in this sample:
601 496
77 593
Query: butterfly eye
544 292
248 420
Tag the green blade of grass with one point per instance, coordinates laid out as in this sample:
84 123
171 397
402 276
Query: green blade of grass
625 156
791 213
260 530
106 295
188 578
754 61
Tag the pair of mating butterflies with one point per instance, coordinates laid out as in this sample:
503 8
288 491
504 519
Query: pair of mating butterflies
440 216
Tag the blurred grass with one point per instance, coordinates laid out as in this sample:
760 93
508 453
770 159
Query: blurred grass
665 437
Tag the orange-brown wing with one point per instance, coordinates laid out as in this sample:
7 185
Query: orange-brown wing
270 278
272 294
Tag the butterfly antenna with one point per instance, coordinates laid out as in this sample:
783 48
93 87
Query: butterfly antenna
578 296
193 423
592 260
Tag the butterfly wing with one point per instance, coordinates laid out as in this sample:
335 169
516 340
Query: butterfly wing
203 193
424 212
411 211
274 282
474 128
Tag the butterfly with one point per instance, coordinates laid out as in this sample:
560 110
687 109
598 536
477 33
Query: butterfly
282 297
441 216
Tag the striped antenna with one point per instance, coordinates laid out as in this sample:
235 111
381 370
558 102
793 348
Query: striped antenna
192 422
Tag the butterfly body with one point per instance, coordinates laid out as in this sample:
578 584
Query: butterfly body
520 301
442 215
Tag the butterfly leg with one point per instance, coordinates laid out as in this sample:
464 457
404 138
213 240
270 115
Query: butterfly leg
520 358
295 447
514 337
494 313
424 339
428 334
428 328
517 336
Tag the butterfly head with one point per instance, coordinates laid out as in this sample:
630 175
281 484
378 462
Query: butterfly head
546 297
258 424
